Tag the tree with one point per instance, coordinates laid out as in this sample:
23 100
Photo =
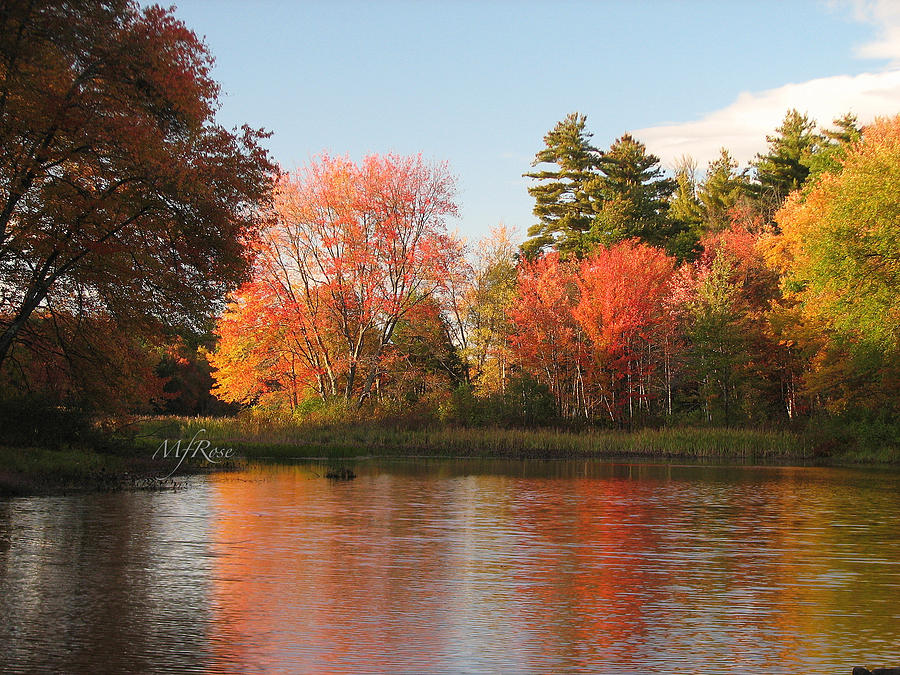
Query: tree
785 167
547 342
685 210
840 242
356 249
621 308
487 308
716 334
684 206
420 360
121 200
834 146
720 192
634 195
564 197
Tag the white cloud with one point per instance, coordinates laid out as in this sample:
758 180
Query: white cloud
885 14
742 126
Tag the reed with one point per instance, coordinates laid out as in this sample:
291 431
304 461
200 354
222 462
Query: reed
255 437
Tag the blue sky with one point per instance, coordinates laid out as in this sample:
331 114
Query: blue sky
478 84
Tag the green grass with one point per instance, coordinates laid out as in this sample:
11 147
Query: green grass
128 461
34 470
253 438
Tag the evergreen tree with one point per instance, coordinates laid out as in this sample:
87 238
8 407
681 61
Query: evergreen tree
634 195
785 167
685 210
833 147
721 191
564 197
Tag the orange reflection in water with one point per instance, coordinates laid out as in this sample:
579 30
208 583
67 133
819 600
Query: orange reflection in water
306 578
451 569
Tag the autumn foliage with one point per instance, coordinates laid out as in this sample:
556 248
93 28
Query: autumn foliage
357 251
359 294
595 331
125 208
130 221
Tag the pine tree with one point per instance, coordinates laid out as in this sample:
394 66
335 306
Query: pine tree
564 197
684 205
834 146
785 167
721 191
685 210
634 195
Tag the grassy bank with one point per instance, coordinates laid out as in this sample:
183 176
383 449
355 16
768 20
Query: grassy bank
129 462
255 438
34 470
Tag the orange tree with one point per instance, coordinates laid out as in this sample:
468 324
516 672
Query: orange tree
839 254
355 250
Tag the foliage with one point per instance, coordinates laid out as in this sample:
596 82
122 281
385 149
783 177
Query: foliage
634 196
596 198
565 199
184 366
721 191
622 310
840 243
123 204
356 252
685 210
717 339
546 340
483 316
786 165
833 146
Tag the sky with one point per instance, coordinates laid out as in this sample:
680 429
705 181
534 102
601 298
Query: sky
478 83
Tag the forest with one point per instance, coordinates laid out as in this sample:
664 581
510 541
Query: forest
760 296
155 263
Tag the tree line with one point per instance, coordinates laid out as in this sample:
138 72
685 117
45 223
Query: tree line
755 296
151 260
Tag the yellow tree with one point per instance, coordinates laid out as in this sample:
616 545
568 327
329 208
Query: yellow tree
839 252
488 303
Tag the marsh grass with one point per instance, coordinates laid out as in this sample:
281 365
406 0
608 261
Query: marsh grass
126 461
254 437
38 470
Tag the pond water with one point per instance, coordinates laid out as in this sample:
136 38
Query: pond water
460 566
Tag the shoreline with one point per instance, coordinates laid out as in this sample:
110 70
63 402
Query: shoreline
41 471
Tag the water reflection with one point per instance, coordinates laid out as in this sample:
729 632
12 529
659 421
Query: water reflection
446 566
117 582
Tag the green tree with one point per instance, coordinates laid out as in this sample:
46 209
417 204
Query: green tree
635 196
716 352
564 196
720 192
685 210
834 146
786 165
842 241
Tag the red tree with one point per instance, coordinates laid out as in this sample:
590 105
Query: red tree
123 203
355 249
547 342
622 293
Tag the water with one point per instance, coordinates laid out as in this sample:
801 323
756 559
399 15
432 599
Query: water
461 566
